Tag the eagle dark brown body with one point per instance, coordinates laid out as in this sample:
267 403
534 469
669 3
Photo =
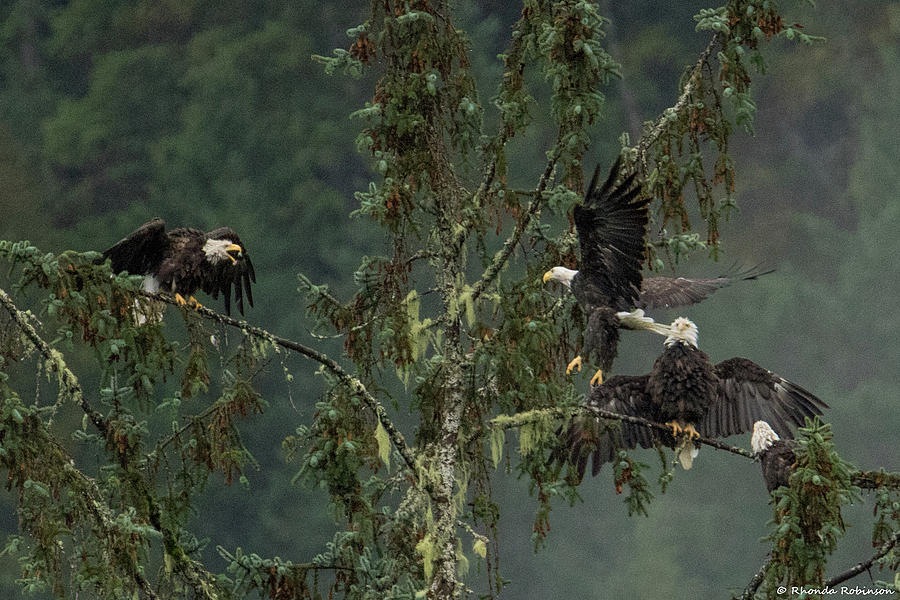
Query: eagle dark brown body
688 393
775 455
682 385
184 260
612 233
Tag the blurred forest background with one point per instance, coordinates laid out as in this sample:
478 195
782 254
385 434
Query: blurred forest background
212 113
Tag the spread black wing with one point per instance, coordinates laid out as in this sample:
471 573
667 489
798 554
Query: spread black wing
584 437
669 292
141 252
227 275
612 231
748 393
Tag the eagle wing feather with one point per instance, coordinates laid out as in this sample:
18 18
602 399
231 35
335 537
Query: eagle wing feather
142 251
748 393
228 276
612 231
671 292
583 438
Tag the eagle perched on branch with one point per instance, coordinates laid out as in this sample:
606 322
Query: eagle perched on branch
183 260
775 454
612 232
686 392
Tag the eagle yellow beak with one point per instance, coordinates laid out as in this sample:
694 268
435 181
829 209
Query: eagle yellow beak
548 276
233 248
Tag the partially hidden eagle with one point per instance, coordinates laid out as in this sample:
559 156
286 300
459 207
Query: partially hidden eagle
612 233
775 455
686 392
183 260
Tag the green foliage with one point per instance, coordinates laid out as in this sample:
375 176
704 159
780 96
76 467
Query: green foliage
630 472
887 512
59 504
672 153
72 515
567 37
222 115
808 523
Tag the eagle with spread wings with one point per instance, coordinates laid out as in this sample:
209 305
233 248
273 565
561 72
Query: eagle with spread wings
183 260
686 392
611 224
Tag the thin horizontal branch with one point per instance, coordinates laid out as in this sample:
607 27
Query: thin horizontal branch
872 480
862 479
864 566
355 385
55 361
507 422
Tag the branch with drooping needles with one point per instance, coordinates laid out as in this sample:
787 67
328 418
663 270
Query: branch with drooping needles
330 364
502 255
659 126
863 479
54 360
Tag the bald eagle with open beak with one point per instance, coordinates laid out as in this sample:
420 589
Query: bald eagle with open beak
612 224
183 260
690 395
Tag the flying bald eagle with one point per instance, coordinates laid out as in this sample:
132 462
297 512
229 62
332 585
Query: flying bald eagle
775 454
693 397
183 260
612 233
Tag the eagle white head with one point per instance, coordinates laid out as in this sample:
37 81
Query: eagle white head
682 331
763 437
218 250
561 274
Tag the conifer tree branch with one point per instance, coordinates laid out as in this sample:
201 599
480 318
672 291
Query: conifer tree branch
55 361
336 369
533 416
502 255
865 566
659 127
198 578
863 479
872 480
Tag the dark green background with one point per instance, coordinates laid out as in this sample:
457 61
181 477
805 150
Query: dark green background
208 113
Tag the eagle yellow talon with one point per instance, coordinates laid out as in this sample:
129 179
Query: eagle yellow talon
597 379
676 428
190 302
574 366
691 432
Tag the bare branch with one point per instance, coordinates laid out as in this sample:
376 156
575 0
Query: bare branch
872 480
502 255
864 566
755 581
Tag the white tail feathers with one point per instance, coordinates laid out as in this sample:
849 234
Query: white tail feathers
686 452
